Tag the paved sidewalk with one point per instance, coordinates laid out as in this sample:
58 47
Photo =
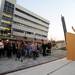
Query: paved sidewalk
50 68
7 65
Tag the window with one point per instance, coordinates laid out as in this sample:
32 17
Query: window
18 30
44 35
8 7
5 25
29 32
38 34
6 18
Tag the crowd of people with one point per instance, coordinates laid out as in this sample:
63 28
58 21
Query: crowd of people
21 49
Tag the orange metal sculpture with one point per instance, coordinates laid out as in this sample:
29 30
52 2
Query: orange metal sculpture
70 45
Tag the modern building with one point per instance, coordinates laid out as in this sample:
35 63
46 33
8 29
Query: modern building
21 23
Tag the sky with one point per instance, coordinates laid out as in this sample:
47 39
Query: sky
52 10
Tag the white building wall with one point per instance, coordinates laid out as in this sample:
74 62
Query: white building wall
30 35
33 14
31 18
18 34
26 28
30 24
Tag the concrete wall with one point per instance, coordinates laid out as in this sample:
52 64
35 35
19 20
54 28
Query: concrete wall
30 24
18 34
27 11
27 28
31 18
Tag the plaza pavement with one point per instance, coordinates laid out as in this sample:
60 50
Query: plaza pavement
10 65
58 67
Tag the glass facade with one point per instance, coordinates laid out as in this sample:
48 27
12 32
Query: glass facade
7 16
8 8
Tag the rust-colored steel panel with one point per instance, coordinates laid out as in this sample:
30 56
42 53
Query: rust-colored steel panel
70 45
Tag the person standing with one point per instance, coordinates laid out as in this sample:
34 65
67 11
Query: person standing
49 46
1 47
28 49
34 50
44 48
9 49
14 47
18 51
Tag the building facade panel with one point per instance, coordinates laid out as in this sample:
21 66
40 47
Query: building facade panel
30 35
27 28
15 33
30 18
26 22
33 14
